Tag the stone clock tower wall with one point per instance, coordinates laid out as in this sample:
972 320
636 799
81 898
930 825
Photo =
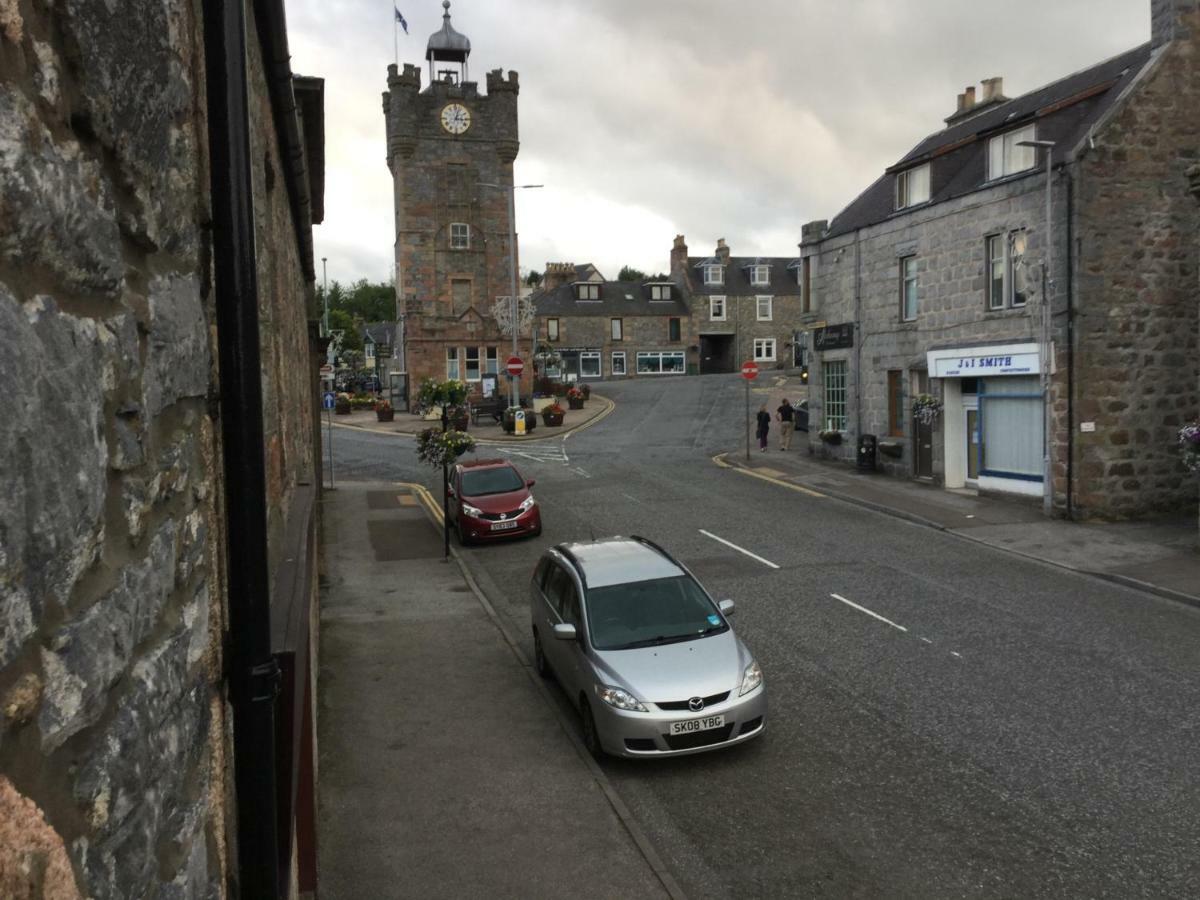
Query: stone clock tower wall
449 289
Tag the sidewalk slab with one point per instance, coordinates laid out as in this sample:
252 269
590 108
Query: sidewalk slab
443 770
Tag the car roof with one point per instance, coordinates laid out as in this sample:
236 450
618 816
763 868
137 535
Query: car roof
619 560
486 464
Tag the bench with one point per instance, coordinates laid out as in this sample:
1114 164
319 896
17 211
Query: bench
494 408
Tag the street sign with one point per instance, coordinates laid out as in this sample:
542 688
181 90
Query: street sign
327 369
749 370
328 400
515 366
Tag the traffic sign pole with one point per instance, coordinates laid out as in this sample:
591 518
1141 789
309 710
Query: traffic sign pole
328 400
749 373
514 365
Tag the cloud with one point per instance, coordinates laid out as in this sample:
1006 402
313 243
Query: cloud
711 119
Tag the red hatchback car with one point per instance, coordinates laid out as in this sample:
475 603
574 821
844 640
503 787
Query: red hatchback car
490 499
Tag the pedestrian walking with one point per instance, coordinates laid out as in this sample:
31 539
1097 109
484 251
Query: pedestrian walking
764 425
786 417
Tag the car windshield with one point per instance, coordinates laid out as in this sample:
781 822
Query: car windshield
648 613
500 480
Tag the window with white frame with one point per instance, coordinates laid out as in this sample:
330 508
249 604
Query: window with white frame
615 329
908 289
618 362
552 329
760 275
472 363
452 370
460 236
834 372
1005 270
716 308
764 349
714 274
589 364
491 364
369 350
588 291
1006 157
1012 425
660 292
664 362
912 187
764 306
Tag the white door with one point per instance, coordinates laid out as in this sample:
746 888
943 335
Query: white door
970 446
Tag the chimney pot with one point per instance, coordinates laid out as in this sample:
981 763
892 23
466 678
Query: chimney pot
970 96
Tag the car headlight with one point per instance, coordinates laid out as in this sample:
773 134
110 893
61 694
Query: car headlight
471 510
751 679
528 503
620 699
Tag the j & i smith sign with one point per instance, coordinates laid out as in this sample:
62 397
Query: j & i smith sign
984 362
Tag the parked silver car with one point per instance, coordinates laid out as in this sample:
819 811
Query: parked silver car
639 646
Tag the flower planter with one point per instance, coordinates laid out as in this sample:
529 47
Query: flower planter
575 402
552 419
342 408
385 415
831 437
540 403
510 426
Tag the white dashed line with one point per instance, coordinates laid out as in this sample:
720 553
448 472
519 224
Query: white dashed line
765 562
873 615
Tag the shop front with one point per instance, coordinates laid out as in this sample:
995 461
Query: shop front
994 417
579 363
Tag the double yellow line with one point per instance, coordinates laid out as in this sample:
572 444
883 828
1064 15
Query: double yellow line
719 459
425 497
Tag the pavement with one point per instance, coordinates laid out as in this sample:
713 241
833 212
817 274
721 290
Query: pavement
445 768
1161 556
594 409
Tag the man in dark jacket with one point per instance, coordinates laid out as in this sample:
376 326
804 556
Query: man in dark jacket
786 417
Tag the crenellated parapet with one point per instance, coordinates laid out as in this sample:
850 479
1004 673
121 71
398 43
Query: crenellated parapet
496 82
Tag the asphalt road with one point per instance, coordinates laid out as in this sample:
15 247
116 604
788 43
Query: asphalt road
955 722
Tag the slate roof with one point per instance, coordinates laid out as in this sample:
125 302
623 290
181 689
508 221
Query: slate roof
1064 112
380 332
614 301
737 276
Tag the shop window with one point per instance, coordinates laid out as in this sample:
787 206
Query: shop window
835 394
618 363
472 363
589 364
666 362
1011 419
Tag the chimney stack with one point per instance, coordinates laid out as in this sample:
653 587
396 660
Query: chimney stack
679 258
993 90
722 251
558 274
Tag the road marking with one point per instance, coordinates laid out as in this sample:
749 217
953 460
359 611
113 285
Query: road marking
581 472
767 478
954 653
927 640
863 609
542 453
765 562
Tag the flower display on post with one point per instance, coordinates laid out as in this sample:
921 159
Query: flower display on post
926 408
443 448
1189 446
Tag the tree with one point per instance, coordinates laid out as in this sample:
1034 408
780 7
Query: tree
369 302
340 320
629 273
534 278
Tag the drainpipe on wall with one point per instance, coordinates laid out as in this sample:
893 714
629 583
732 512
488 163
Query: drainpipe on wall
858 340
1193 175
1070 276
252 671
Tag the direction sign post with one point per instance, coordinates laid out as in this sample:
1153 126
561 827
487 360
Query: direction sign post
749 373
328 400
515 366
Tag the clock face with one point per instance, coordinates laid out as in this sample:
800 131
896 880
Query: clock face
456 118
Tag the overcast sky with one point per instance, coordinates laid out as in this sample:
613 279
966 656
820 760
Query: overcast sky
651 118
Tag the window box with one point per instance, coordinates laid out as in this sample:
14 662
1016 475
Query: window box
830 437
894 449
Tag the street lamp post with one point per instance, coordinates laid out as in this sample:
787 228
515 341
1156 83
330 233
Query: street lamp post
512 266
1047 286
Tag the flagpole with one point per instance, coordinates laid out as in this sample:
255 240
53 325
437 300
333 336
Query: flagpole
395 40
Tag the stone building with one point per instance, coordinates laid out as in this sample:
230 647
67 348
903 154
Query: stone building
158 490
932 282
450 150
612 329
742 308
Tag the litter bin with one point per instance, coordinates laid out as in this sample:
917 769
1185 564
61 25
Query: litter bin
868 444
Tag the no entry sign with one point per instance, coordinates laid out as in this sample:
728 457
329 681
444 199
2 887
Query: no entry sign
750 370
514 366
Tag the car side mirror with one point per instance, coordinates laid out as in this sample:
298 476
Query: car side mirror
565 631
727 607
531 482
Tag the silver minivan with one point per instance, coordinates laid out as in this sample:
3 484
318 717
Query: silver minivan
642 650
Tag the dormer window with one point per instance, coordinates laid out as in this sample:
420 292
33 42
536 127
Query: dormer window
912 187
460 236
660 292
760 275
714 274
1007 157
587 291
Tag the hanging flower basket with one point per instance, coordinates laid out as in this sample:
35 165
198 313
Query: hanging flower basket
438 448
926 408
1189 446
830 437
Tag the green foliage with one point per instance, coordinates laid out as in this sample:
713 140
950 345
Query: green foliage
629 273
534 278
442 393
364 300
341 320
442 448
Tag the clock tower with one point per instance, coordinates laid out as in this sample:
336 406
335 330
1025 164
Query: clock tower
450 150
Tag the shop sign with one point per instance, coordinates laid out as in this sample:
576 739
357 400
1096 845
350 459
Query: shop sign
984 362
834 337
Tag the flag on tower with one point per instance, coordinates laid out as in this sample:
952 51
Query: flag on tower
400 19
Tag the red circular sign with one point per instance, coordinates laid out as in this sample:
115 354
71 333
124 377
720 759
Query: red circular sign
749 370
515 366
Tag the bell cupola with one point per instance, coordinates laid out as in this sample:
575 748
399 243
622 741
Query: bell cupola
447 52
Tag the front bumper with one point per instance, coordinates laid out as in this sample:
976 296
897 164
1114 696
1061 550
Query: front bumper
528 522
635 734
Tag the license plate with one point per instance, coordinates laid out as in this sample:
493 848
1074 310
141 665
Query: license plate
504 526
690 726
